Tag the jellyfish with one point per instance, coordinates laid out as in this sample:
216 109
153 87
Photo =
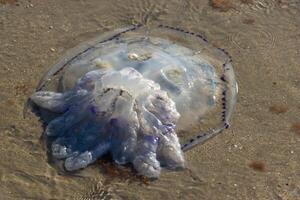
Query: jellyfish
136 93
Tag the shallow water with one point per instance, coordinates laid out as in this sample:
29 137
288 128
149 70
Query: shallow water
263 38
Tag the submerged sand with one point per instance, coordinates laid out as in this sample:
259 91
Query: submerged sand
257 158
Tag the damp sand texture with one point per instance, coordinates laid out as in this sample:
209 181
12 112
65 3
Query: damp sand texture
257 158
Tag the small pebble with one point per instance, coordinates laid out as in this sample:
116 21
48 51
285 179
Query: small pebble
50 27
29 6
248 21
296 128
257 165
278 109
52 49
222 5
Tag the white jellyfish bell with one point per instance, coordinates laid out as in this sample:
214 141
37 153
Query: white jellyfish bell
136 93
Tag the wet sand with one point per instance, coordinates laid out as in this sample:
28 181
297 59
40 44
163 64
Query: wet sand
257 158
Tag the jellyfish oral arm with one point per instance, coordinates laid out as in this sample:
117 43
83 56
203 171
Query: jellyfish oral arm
134 126
52 101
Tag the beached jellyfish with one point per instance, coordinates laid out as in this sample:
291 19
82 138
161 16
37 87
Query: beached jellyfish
135 93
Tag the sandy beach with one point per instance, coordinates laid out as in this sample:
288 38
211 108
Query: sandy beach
257 158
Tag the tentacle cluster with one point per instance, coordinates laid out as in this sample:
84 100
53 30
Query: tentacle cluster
116 112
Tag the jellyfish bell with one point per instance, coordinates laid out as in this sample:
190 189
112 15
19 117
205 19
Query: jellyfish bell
132 92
